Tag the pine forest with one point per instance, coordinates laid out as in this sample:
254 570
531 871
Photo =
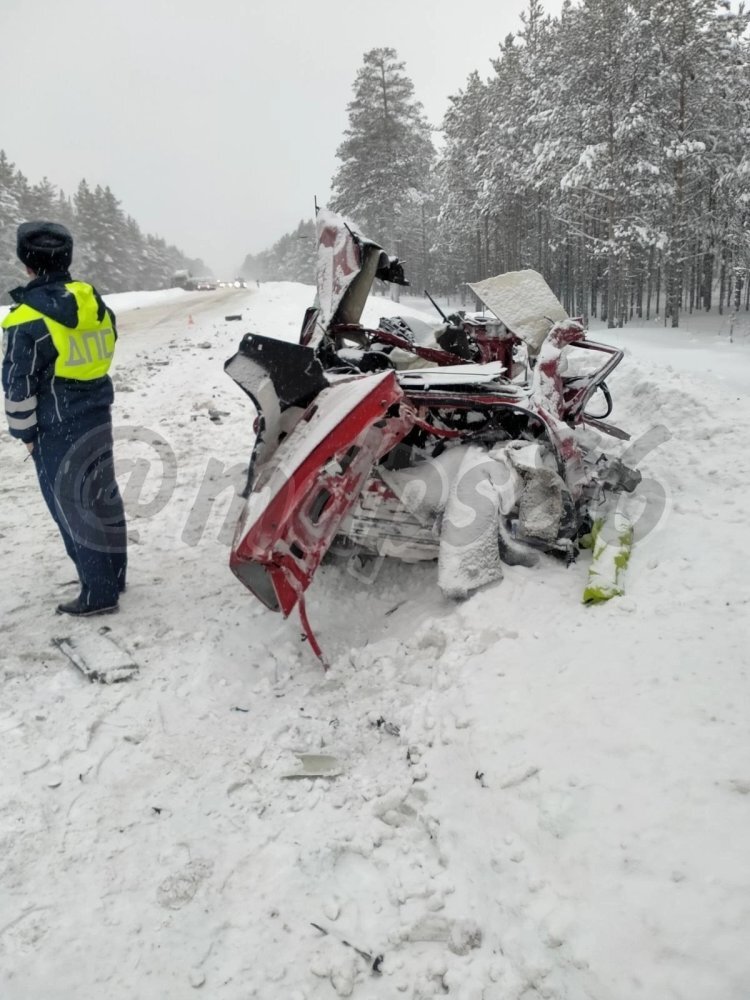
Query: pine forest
110 250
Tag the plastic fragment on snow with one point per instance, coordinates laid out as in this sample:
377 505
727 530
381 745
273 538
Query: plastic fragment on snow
518 779
376 961
315 765
98 656
612 539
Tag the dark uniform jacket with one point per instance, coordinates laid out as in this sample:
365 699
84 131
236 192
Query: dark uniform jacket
37 401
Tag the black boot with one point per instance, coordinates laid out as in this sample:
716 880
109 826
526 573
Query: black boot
81 609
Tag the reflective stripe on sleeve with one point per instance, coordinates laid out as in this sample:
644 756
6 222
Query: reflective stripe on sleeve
19 405
18 424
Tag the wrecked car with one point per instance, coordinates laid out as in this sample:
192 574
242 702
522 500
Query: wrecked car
475 447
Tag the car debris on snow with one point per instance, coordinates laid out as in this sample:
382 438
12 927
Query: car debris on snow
315 765
98 655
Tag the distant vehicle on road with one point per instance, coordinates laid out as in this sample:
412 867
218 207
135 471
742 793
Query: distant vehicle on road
182 279
205 284
240 283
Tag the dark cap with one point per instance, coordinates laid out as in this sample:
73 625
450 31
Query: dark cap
45 247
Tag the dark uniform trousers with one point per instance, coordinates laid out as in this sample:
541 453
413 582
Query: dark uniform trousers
77 479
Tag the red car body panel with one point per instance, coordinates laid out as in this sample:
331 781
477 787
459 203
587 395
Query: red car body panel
313 479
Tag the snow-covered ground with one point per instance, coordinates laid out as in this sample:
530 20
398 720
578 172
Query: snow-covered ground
536 799
700 346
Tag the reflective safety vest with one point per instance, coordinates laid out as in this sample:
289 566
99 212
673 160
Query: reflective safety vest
83 353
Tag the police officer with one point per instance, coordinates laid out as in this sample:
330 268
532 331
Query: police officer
58 345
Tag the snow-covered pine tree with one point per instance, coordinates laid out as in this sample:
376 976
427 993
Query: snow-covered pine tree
461 178
63 213
113 251
675 35
727 228
11 272
85 231
607 114
40 201
383 181
291 258
131 240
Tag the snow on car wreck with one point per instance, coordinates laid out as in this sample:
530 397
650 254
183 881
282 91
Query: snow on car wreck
481 448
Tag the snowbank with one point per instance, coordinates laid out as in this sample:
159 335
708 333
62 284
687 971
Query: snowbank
701 348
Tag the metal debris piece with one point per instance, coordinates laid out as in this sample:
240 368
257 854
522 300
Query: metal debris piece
315 765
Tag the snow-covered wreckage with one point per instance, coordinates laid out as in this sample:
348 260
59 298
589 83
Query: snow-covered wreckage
480 448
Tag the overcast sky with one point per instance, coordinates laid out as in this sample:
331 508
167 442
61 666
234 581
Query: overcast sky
215 122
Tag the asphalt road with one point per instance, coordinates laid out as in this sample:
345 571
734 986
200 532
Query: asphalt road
192 304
